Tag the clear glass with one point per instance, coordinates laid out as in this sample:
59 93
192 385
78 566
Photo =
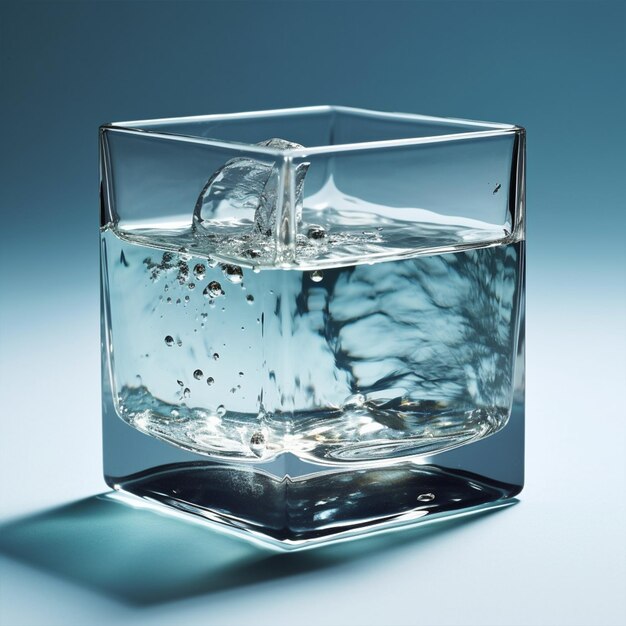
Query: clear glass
312 319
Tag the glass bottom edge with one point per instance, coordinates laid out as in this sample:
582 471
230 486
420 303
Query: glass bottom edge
290 515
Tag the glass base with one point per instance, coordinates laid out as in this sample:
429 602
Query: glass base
297 513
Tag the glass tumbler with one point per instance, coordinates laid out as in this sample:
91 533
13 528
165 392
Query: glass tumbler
313 318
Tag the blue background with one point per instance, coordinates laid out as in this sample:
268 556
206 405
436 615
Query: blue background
556 68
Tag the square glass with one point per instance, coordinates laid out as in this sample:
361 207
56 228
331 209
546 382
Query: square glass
313 318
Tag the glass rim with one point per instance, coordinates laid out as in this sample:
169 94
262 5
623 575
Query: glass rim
488 129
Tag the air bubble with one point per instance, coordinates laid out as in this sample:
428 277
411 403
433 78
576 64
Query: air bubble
213 290
169 340
216 356
257 443
256 269
426 497
221 410
357 400
199 271
250 298
316 276
316 232
186 392
186 298
210 380
233 272
240 374
192 285
198 374
174 413
180 383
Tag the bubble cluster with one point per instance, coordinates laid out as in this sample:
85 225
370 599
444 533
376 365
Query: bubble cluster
183 272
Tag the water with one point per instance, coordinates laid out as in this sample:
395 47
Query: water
353 354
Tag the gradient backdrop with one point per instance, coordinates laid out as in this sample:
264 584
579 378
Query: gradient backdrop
557 68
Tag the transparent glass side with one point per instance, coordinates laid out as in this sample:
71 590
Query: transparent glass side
381 357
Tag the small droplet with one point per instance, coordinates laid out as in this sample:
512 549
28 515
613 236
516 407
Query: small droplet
199 271
257 443
186 298
186 392
213 290
174 413
250 298
210 380
316 276
233 272
169 340
168 300
426 497
256 269
221 410
198 374
240 374
216 356
192 285
179 343
166 288
178 300
180 383
316 232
